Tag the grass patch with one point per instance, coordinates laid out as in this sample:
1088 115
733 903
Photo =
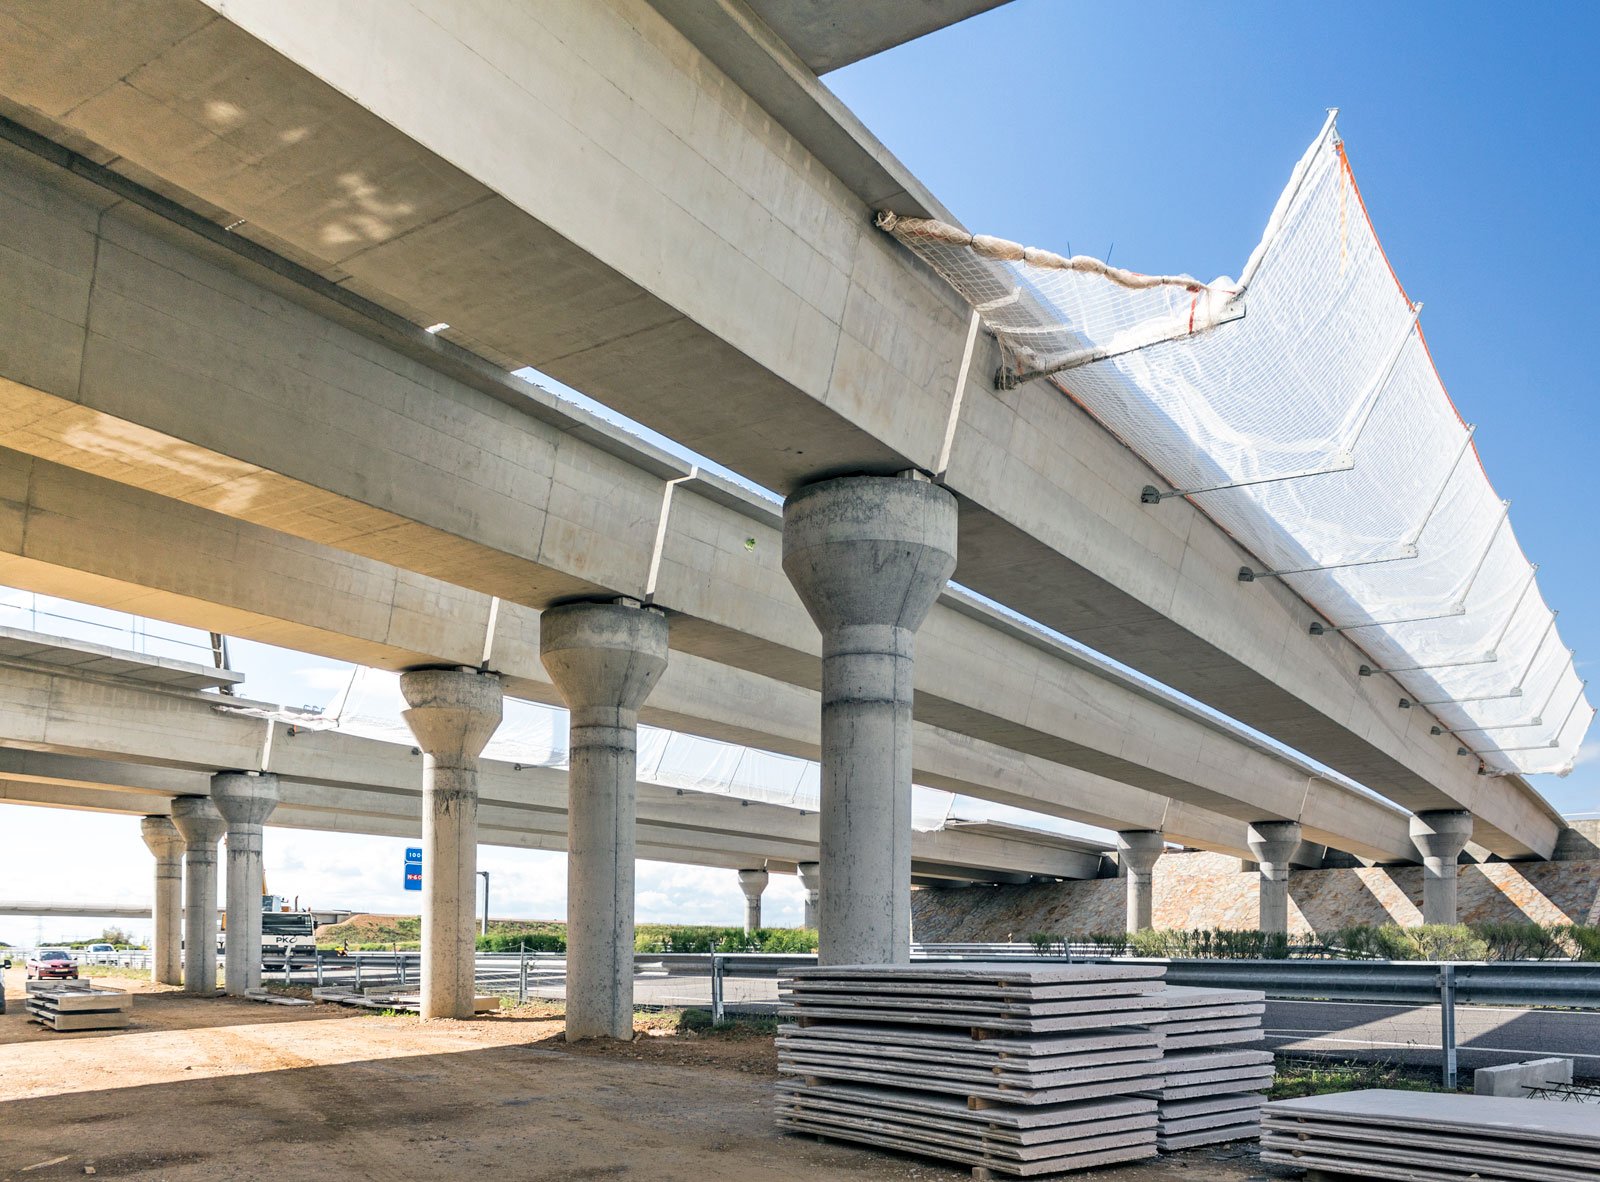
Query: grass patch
699 1022
1320 1077
111 970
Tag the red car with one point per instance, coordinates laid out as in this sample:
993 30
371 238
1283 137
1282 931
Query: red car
52 962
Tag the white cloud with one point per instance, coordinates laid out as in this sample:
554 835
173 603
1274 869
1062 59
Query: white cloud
325 678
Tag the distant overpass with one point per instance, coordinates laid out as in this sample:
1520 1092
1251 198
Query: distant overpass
75 910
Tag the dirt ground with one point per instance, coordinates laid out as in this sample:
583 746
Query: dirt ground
220 1089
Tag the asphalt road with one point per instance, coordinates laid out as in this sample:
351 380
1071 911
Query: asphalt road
1371 1032
1485 1035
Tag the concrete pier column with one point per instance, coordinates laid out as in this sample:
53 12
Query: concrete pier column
245 800
752 883
1440 836
1137 850
1274 844
811 880
166 952
605 658
201 827
452 714
868 556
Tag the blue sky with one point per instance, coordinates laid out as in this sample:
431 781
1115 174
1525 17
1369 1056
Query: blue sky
1169 130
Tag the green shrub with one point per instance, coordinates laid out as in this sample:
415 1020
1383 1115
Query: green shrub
786 940
1447 941
1109 943
705 939
695 1020
1365 942
522 941
1522 941
1585 942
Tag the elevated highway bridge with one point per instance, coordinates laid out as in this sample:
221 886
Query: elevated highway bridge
254 378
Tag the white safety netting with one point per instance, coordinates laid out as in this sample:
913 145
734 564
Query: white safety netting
1300 409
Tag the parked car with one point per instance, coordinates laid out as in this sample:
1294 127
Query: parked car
101 954
51 962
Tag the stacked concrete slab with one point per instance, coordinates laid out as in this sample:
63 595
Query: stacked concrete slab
1434 1137
1022 1070
1213 1080
78 1007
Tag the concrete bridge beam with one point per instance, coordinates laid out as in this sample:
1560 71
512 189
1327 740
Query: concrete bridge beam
245 800
604 658
201 826
752 883
166 954
1138 850
811 879
452 713
868 556
1440 836
1274 844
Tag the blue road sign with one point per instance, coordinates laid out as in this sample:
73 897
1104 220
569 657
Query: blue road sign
413 869
413 854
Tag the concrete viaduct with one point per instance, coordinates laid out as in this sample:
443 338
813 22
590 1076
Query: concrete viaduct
78 739
227 238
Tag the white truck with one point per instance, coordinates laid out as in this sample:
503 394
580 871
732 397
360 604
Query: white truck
282 930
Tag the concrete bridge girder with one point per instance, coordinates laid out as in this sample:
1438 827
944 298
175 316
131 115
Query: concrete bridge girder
102 542
1187 757
86 734
386 815
1049 522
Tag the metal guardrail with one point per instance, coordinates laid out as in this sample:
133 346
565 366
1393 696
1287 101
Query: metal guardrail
1566 984
1520 984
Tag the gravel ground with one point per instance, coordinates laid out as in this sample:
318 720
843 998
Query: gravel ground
222 1089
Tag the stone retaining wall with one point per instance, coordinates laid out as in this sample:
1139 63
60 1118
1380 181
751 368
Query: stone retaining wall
1202 890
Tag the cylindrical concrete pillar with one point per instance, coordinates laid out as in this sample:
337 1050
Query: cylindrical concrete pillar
201 826
811 880
1274 843
1137 850
1440 835
245 800
452 714
868 556
166 952
605 658
752 883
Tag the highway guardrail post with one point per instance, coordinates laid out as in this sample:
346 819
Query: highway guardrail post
522 972
1447 1023
716 988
